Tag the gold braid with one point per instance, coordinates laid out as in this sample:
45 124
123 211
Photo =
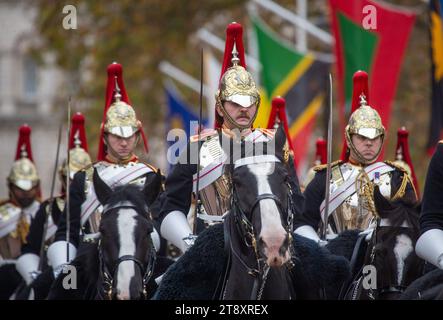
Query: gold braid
365 190
402 189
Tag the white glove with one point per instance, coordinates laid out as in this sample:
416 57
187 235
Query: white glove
27 266
368 232
175 228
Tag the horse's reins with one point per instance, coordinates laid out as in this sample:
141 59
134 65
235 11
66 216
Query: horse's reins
246 229
388 289
108 277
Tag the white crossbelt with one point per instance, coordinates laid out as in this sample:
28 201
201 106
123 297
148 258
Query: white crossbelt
122 178
348 187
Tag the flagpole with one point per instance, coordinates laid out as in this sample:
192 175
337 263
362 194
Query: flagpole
301 40
284 13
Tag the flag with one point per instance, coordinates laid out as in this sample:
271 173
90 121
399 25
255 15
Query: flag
299 78
370 37
179 116
436 34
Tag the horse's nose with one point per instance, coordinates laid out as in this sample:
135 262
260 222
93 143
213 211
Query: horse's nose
126 295
122 295
275 248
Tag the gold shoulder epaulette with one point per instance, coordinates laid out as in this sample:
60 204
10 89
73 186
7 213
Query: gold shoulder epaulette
204 135
324 166
149 165
267 132
395 165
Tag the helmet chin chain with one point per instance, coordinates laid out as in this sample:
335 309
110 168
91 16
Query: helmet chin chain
229 119
120 159
359 156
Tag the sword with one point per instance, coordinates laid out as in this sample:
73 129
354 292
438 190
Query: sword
51 200
197 198
68 215
328 166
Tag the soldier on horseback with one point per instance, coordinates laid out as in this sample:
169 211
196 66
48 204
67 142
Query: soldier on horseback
237 103
29 264
117 165
359 186
16 212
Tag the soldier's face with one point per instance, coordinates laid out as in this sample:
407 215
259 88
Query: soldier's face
22 197
119 147
239 114
368 148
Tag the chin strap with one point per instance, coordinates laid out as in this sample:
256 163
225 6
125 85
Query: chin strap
360 158
229 119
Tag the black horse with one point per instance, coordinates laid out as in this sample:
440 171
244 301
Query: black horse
120 265
389 263
250 255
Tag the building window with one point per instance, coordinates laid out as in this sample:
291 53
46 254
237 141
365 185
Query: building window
29 78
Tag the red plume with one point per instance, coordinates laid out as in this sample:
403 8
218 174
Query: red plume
234 34
78 127
403 150
321 150
360 86
24 140
115 71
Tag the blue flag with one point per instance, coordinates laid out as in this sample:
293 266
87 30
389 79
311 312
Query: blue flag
182 123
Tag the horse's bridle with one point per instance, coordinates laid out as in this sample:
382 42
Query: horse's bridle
388 289
247 232
106 291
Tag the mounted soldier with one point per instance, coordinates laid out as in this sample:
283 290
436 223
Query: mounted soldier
359 185
117 165
17 211
237 103
44 224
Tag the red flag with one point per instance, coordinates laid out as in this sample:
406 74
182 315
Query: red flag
372 37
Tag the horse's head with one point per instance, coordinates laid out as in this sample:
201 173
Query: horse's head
126 250
261 195
391 249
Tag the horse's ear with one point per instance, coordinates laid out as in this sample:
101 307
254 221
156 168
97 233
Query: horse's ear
102 190
153 186
280 140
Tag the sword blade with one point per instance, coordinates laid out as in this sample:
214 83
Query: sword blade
51 199
197 198
328 166
68 213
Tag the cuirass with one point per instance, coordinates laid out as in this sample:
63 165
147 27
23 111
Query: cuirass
216 196
94 218
356 211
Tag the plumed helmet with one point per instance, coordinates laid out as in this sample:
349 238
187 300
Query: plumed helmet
23 173
236 83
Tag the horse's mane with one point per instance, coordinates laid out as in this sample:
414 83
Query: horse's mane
404 212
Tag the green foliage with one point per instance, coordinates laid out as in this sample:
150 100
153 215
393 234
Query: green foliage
137 34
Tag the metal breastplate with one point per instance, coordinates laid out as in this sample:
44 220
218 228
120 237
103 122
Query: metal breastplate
356 211
216 196
10 244
95 217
